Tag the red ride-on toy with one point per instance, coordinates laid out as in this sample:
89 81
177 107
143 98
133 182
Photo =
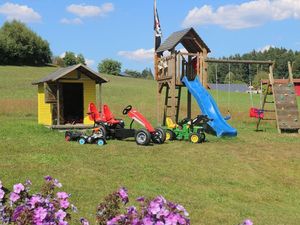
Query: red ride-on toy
115 128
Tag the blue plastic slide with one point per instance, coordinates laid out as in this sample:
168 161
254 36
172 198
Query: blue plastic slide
208 107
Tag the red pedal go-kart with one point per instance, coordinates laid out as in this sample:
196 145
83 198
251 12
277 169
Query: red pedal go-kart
115 128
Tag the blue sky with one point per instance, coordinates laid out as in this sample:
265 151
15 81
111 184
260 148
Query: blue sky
123 30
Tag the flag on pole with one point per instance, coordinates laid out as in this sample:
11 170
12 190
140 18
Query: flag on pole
157 28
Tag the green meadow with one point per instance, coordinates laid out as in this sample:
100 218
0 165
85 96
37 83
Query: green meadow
223 181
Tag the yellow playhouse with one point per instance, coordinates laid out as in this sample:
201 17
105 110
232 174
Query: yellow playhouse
64 96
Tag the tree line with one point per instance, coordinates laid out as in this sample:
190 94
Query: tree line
245 73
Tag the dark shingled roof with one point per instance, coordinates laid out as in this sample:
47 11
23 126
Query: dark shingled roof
64 71
188 38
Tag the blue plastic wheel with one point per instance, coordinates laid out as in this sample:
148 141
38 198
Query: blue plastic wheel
100 142
81 141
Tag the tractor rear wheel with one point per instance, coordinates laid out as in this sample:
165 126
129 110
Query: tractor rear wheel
202 137
194 138
142 137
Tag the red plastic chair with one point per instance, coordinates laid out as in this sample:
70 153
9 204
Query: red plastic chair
108 116
256 113
93 113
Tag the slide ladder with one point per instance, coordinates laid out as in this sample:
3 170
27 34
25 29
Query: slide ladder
208 107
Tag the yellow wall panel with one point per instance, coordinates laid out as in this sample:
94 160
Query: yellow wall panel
44 109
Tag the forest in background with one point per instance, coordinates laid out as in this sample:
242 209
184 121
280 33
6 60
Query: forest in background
244 73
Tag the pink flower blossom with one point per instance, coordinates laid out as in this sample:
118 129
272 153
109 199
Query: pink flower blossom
18 188
248 222
1 194
62 195
60 215
14 197
64 203
34 200
84 221
39 215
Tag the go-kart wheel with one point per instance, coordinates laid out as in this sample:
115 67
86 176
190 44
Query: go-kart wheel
82 141
67 138
127 109
194 138
202 137
100 142
159 137
170 135
101 131
142 137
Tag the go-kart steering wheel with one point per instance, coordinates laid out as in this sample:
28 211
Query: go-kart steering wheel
127 109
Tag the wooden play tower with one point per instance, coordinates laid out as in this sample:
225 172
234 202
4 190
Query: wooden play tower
171 65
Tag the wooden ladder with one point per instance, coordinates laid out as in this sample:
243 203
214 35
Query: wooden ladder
168 105
267 101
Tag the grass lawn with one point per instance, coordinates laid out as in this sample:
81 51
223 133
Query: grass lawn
223 181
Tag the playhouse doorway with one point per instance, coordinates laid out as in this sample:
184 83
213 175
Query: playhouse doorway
72 94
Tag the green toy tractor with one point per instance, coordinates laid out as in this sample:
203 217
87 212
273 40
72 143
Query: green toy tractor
187 129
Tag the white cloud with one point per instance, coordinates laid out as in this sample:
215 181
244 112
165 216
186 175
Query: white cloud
82 10
75 21
90 62
138 55
266 48
249 14
19 12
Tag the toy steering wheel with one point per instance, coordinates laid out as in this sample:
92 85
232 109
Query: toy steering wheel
127 109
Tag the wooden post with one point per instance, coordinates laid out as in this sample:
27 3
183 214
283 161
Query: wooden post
173 86
271 77
204 69
99 96
158 104
291 79
58 103
189 97
199 66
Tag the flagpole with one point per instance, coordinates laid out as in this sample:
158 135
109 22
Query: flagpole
158 94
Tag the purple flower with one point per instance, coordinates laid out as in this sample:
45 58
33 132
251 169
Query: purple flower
62 195
140 199
2 193
63 223
48 178
74 208
34 200
18 188
60 215
154 207
84 221
64 203
180 208
123 195
57 184
14 197
28 182
247 222
18 212
147 221
39 215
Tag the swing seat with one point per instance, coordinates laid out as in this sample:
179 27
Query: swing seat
256 113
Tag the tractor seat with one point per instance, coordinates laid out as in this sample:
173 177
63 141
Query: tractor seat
170 123
108 116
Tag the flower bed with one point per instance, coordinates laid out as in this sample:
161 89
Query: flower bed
50 207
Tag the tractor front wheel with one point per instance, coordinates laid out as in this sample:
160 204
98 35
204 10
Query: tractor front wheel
202 137
170 135
142 137
194 138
